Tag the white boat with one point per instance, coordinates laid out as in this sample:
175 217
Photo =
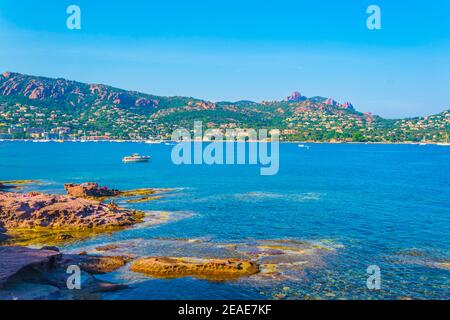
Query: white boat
303 146
136 158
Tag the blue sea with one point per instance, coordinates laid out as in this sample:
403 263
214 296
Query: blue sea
382 205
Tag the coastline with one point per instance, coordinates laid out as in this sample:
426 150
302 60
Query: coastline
46 257
224 141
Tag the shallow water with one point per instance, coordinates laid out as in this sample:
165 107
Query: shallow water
372 204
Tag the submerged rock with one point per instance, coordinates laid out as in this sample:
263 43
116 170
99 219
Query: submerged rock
3 236
443 265
214 269
412 253
97 264
108 247
143 199
141 192
14 184
51 248
277 260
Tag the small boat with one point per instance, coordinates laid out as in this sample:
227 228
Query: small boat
303 146
136 158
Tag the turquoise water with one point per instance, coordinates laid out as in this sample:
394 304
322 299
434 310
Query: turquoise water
373 204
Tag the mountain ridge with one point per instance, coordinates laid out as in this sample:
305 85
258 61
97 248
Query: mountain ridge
40 90
105 110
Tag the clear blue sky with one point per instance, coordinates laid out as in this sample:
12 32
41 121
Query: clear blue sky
242 49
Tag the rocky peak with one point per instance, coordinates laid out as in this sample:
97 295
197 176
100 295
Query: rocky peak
330 102
347 105
294 97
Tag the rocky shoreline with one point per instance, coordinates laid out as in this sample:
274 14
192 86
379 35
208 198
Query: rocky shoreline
14 184
127 263
35 218
45 270
81 213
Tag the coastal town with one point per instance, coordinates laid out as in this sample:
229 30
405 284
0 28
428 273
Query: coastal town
43 109
30 122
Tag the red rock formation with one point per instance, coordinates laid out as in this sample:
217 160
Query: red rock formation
14 259
347 105
144 102
294 97
203 268
330 102
89 190
58 211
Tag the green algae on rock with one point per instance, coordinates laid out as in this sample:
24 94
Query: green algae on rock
16 184
143 199
95 264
